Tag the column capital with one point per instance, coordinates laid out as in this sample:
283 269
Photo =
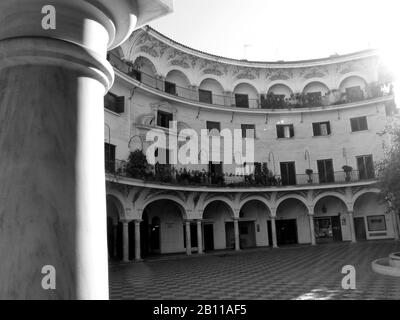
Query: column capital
137 220
126 220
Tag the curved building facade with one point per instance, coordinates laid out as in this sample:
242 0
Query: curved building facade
316 127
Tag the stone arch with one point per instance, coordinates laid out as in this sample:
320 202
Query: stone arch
180 76
257 198
213 81
292 196
280 87
355 77
117 202
245 83
179 202
146 65
330 194
318 84
360 193
222 199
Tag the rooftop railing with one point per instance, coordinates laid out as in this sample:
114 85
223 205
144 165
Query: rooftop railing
266 101
167 174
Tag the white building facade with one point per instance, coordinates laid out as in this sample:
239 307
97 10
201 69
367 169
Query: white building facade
317 137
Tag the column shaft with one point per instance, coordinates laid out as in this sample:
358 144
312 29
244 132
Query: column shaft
137 240
352 229
273 229
188 239
125 235
237 235
312 230
199 237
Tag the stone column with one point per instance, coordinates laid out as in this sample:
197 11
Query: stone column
237 235
199 237
312 230
137 241
125 240
52 84
352 229
188 238
273 230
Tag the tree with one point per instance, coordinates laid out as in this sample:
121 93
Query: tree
137 165
389 168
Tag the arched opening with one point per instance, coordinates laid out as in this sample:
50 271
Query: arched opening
353 88
114 228
144 71
162 228
292 223
246 96
314 91
281 90
211 91
218 230
330 220
253 227
177 83
371 218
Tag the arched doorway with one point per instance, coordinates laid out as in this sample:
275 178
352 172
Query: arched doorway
162 229
218 229
330 222
372 220
253 230
114 228
292 223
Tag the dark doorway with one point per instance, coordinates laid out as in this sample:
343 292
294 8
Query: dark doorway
215 171
286 231
208 237
247 234
359 226
150 235
336 229
269 228
288 173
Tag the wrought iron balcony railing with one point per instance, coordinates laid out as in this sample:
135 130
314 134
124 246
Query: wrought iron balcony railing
268 101
167 174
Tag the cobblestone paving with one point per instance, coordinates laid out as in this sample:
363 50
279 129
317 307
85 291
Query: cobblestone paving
302 272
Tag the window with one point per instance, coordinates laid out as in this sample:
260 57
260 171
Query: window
284 130
365 166
248 131
321 128
288 173
215 171
109 156
163 118
358 124
205 96
114 103
325 171
213 125
170 87
241 100
376 223
354 94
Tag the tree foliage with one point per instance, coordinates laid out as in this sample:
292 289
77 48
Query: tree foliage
389 168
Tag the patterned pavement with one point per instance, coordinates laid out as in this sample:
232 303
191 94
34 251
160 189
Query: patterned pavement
301 272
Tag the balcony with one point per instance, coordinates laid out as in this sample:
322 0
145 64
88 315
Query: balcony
167 174
265 101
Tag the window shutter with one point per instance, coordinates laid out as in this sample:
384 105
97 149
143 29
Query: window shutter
120 104
363 123
291 131
316 129
354 126
279 131
328 127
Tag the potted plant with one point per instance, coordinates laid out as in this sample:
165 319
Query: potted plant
347 169
309 172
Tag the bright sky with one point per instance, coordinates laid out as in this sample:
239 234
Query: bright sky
273 30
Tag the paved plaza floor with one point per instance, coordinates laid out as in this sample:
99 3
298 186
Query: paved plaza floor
300 272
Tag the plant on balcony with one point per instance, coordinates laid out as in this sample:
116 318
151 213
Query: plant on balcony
309 172
347 169
137 165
